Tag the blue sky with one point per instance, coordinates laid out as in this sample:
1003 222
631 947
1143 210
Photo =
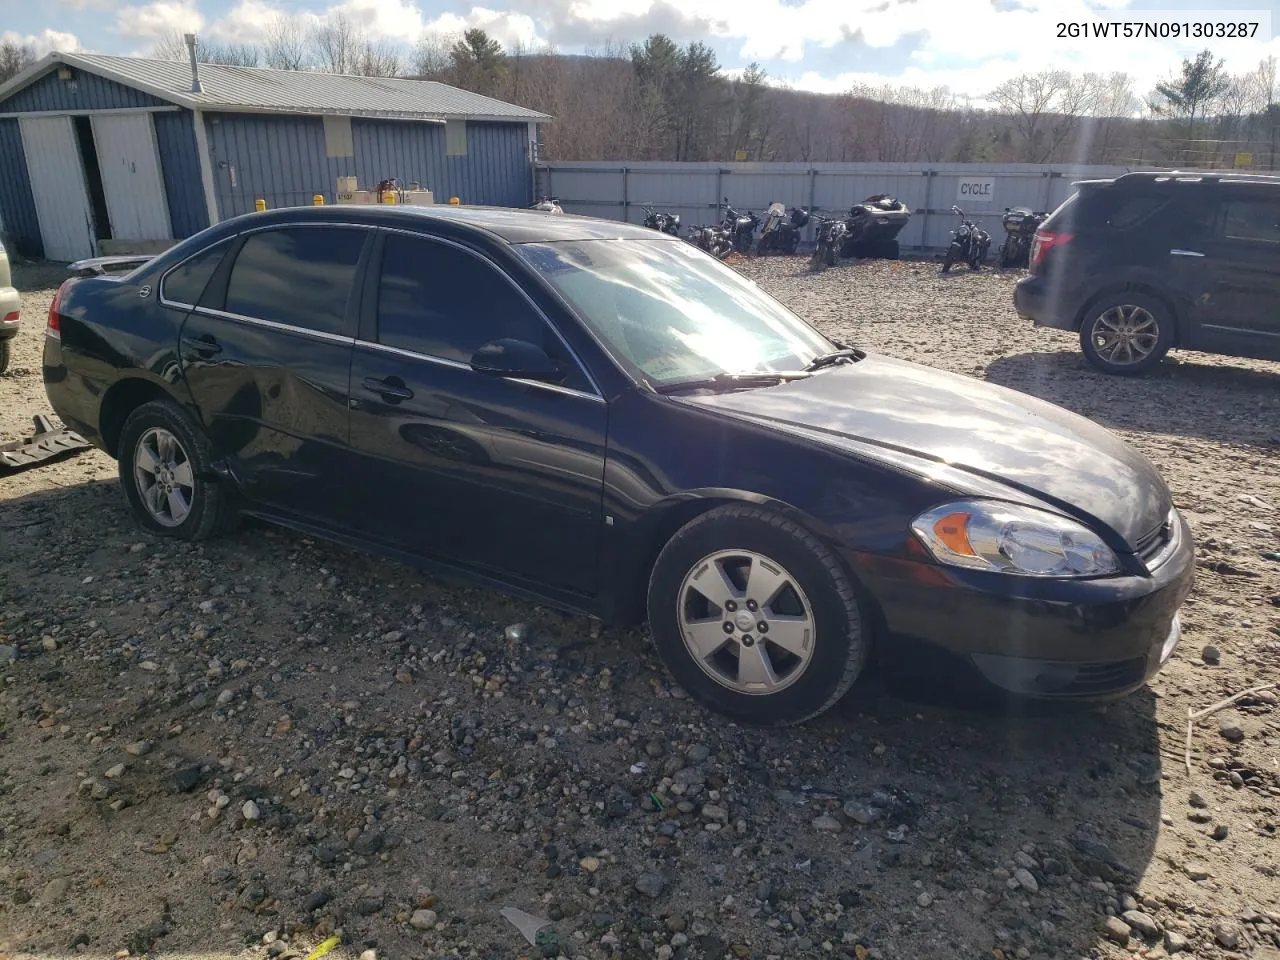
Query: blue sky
827 45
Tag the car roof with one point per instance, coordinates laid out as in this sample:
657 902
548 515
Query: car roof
504 223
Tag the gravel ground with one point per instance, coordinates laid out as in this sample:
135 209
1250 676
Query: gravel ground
243 747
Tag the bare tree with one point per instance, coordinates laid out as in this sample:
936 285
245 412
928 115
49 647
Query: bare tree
285 43
173 46
376 60
431 58
1029 100
14 58
337 43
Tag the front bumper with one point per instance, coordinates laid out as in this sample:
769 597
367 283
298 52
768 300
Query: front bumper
1072 639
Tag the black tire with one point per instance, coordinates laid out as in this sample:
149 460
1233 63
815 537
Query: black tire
1117 307
6 353
829 255
790 244
839 640
954 256
210 509
818 259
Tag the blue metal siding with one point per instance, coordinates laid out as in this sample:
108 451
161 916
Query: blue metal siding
85 91
282 160
180 164
17 203
278 159
496 169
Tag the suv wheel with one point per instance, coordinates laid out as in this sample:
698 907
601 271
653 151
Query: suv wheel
1126 334
755 617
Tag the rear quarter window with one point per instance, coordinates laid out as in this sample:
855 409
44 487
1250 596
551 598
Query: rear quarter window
1104 210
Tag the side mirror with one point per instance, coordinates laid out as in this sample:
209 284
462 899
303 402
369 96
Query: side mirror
517 358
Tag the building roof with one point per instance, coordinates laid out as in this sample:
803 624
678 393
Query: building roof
257 90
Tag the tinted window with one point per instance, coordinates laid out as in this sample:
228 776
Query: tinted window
1251 220
301 276
1104 208
444 302
186 282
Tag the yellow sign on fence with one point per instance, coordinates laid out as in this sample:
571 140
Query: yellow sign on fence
740 155
1244 159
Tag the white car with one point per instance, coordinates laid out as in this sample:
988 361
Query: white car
10 308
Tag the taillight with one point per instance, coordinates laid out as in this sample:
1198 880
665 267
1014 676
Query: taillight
54 329
1043 242
12 317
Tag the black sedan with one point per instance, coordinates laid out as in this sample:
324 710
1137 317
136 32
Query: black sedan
608 420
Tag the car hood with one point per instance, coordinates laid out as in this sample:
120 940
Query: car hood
976 428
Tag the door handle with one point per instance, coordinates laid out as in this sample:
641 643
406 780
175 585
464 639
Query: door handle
392 389
202 346
1176 252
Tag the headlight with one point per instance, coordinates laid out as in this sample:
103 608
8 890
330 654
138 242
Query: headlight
1009 538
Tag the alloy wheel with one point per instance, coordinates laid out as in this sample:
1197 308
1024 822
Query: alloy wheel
746 622
163 474
1125 334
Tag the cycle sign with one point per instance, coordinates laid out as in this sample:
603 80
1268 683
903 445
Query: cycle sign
976 190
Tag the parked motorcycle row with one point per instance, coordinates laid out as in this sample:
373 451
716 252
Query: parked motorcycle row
868 231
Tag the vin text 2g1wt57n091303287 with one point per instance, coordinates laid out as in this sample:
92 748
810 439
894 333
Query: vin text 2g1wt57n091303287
606 419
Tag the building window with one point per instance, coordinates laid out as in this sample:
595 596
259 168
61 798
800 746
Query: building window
338 141
455 138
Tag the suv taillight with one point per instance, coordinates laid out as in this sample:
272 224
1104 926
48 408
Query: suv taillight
1043 242
54 329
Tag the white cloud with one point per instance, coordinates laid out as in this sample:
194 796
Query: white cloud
508 28
152 20
44 42
246 22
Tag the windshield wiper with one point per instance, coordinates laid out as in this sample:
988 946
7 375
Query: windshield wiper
734 381
850 354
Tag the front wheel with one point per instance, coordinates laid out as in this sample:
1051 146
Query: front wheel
954 255
165 470
790 244
755 617
1126 334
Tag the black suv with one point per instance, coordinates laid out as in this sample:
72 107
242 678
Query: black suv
1150 261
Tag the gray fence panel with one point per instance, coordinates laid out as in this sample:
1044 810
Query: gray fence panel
693 190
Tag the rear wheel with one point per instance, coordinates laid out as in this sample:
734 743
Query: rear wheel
755 616
1126 334
165 471
6 353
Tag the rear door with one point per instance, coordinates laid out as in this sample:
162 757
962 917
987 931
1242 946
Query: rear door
1241 273
266 353
500 475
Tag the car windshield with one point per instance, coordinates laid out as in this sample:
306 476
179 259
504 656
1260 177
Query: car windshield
673 313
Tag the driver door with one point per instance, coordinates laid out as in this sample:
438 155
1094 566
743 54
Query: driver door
499 475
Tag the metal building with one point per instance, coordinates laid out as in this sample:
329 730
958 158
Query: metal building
100 151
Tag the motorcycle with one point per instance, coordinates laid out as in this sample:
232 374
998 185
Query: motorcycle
740 227
781 234
547 205
874 225
831 235
1020 226
969 244
663 222
713 239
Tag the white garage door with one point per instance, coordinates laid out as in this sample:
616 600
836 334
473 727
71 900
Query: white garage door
57 183
130 165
